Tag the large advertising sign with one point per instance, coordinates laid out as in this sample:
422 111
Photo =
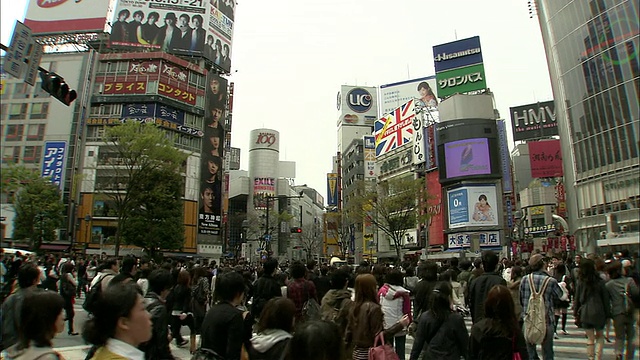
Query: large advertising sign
53 161
332 189
467 157
461 80
545 158
489 239
234 158
472 206
394 129
210 213
262 189
369 157
534 121
184 27
358 105
430 143
434 209
394 95
457 54
66 16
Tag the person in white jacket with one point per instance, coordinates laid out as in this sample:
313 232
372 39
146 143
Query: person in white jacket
395 302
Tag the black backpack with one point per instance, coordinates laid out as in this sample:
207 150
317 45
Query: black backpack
93 295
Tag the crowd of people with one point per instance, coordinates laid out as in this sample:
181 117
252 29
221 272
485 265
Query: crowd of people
298 311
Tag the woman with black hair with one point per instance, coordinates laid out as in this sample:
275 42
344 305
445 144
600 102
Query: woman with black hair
591 307
224 329
498 335
273 330
560 306
181 310
68 286
440 329
41 318
119 325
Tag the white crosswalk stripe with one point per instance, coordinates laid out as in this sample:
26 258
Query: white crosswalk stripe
567 347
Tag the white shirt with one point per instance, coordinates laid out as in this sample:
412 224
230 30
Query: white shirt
125 350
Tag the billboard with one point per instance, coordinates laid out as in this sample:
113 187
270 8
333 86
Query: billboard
66 16
472 206
263 187
210 214
489 239
193 28
394 129
332 189
234 158
434 209
358 105
394 95
534 121
467 157
457 54
53 161
369 157
545 158
461 80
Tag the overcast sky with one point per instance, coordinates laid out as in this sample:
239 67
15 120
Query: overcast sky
290 57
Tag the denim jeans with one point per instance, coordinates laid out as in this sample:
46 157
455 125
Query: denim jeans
399 343
547 346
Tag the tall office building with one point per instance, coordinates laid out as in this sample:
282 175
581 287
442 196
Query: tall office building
592 52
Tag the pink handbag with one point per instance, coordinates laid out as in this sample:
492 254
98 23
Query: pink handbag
381 350
515 352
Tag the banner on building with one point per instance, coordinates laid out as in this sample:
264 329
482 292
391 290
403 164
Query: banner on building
357 105
473 205
369 157
394 95
545 158
457 54
434 209
211 169
332 189
394 129
505 159
467 157
534 121
53 161
64 17
263 189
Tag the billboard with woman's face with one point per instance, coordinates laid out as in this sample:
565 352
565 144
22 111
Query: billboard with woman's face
473 205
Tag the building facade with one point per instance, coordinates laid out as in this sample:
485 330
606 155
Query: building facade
592 51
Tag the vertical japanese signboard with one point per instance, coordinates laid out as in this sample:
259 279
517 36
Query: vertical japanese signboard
545 158
53 161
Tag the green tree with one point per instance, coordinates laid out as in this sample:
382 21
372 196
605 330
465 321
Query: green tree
156 218
141 149
15 177
39 212
392 207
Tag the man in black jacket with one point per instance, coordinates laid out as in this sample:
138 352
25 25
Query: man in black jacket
480 286
428 273
159 287
266 287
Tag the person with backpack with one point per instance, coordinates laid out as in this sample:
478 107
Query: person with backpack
538 291
621 291
108 270
336 302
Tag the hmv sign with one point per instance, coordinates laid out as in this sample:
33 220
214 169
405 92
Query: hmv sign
534 121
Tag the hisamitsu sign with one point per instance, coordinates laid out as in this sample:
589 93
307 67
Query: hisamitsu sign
457 54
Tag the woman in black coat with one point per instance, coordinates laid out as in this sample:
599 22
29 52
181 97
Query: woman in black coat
591 307
498 335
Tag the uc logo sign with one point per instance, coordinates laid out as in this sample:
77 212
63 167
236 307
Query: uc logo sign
359 100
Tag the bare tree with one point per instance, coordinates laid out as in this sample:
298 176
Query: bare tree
338 229
310 239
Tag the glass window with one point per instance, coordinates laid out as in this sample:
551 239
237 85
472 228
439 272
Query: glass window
32 154
21 90
36 131
14 132
17 111
39 110
11 154
3 111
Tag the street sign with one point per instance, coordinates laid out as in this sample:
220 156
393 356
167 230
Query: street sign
34 63
267 237
14 60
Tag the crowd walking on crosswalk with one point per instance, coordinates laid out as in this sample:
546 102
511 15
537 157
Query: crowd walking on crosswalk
547 306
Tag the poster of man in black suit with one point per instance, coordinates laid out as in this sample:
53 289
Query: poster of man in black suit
183 41
119 28
168 33
197 34
133 27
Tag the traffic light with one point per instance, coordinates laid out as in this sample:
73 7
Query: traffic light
54 84
296 230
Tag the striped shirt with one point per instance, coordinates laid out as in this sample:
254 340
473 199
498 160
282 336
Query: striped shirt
552 292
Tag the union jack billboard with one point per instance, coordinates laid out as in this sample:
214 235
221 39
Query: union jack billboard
394 129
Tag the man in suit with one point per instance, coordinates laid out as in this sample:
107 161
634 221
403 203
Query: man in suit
149 31
208 51
168 33
119 29
197 34
134 25
183 40
226 60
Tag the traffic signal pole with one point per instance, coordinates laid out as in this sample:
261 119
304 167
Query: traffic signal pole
53 83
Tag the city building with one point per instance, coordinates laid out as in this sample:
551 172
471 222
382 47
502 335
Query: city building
592 53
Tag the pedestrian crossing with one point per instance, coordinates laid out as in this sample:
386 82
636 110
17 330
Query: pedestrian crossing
572 346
